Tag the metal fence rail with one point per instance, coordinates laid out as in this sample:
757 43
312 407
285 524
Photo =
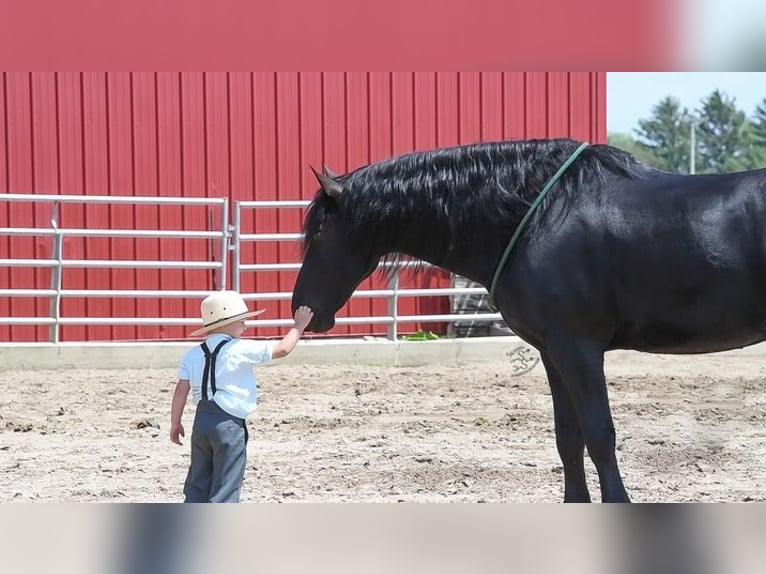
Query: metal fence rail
58 263
392 294
230 238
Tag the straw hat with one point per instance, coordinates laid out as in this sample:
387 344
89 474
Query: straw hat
222 308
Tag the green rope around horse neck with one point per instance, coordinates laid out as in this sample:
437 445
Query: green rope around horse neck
551 182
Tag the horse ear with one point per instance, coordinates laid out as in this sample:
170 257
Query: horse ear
329 185
328 172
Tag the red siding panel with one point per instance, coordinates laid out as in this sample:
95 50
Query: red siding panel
424 101
403 112
21 180
579 106
515 105
70 161
121 182
288 180
265 96
242 156
193 174
357 155
218 181
5 274
598 109
558 110
380 142
469 101
381 117
97 182
491 106
536 105
144 96
44 175
170 183
336 140
426 132
447 106
243 136
217 135
311 152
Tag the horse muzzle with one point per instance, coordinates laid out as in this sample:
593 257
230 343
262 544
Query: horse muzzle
321 323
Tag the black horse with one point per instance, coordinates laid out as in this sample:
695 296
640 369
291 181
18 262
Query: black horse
617 256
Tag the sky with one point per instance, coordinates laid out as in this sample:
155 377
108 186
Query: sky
632 95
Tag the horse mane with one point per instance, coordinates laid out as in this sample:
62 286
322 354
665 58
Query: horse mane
406 200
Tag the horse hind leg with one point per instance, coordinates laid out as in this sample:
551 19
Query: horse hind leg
581 367
569 440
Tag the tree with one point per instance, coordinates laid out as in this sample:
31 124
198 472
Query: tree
725 135
666 135
758 128
642 153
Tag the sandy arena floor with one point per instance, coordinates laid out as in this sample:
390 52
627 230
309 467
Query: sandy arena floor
688 428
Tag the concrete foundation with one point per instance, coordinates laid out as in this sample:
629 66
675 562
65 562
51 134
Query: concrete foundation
371 352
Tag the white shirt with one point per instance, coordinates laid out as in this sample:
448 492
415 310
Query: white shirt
236 387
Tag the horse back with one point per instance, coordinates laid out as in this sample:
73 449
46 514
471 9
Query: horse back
663 263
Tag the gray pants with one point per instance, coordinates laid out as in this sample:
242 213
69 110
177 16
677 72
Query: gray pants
218 455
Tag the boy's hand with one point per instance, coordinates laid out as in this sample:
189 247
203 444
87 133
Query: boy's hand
175 432
303 316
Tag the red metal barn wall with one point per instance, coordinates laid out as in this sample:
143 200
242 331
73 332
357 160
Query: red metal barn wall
238 135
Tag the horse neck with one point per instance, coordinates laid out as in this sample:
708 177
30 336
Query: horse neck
445 221
473 253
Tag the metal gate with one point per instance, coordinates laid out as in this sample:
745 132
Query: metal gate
231 241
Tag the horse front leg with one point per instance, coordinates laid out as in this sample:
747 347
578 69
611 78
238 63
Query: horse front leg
581 367
569 440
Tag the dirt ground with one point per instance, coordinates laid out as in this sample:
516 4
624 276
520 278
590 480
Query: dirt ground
688 429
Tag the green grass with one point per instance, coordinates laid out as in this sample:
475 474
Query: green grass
424 336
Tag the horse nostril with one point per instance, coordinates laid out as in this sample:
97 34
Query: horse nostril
321 323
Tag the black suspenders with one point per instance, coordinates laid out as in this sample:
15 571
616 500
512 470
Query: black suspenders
210 368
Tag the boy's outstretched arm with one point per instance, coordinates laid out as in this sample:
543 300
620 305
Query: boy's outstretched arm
177 409
302 318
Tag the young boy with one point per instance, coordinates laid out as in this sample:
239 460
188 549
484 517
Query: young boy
220 375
